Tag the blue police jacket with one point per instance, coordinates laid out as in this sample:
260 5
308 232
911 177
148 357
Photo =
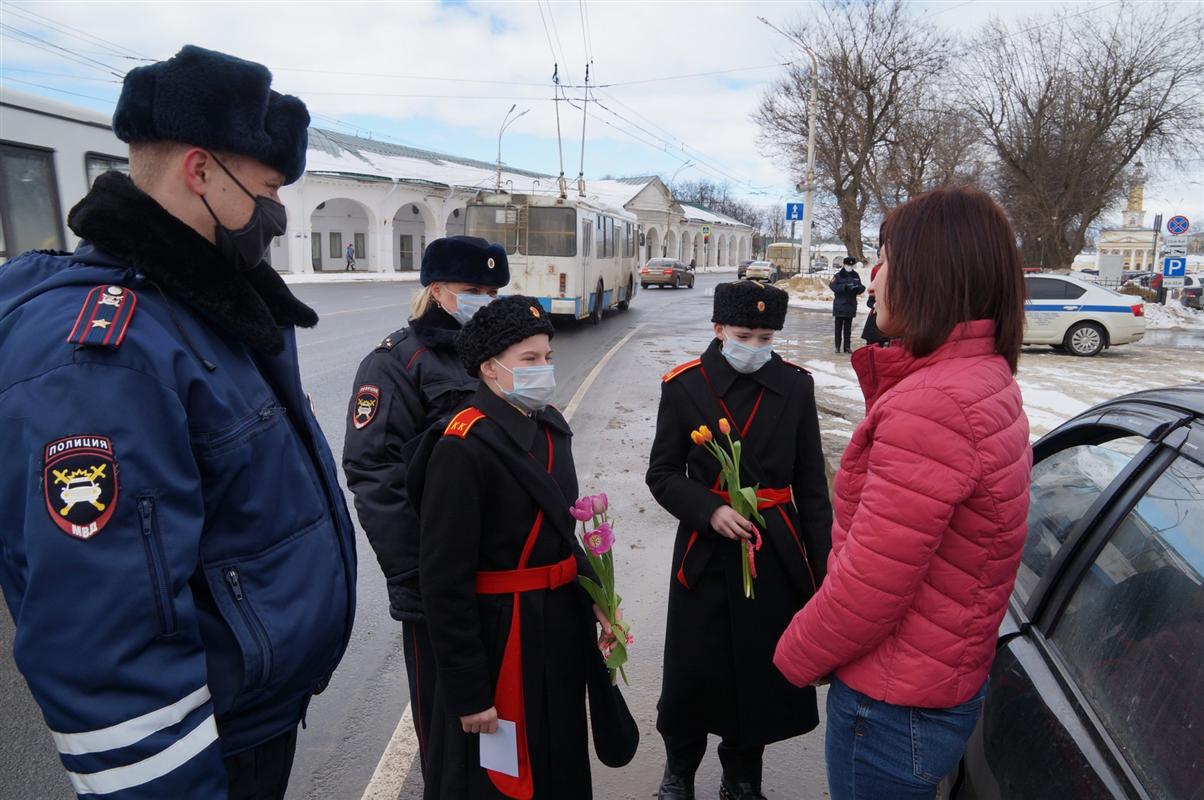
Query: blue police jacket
174 545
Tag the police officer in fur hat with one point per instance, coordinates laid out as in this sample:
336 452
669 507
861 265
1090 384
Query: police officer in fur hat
173 539
412 379
719 676
514 634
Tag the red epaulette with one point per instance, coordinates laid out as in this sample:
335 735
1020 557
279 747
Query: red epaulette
686 367
104 317
800 368
462 423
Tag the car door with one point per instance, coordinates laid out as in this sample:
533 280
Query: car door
1106 550
1042 309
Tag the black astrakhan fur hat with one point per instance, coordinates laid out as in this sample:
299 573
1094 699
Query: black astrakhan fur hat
749 304
210 99
505 321
465 259
850 260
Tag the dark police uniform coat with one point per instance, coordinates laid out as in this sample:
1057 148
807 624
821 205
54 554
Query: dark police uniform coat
174 546
477 508
410 381
846 286
719 675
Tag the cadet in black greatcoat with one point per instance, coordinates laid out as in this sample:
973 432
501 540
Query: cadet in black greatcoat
411 380
514 634
719 676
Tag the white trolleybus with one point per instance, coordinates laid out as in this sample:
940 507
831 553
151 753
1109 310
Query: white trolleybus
577 256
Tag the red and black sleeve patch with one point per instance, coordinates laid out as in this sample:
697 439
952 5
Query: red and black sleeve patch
105 315
367 401
79 482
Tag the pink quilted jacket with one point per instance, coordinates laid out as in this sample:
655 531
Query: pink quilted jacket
931 504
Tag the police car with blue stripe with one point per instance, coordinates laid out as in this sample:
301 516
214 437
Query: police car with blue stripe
1079 317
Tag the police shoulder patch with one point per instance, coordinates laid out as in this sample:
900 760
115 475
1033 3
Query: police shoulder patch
367 401
79 481
686 367
462 423
104 317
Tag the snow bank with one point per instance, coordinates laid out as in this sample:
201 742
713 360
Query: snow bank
1173 317
812 292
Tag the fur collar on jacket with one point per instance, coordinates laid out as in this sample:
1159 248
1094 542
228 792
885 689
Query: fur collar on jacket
122 220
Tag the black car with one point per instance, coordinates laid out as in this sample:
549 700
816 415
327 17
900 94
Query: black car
1191 292
742 268
1097 690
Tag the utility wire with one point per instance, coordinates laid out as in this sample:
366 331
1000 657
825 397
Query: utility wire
72 76
77 33
31 38
108 100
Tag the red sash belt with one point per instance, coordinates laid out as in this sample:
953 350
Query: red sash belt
531 579
766 498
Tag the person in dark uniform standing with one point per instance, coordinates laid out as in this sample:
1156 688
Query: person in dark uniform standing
411 380
513 632
174 544
719 676
846 286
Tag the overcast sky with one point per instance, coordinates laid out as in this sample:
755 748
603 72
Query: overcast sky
443 75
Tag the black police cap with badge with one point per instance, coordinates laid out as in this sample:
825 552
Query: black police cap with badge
465 259
749 304
504 322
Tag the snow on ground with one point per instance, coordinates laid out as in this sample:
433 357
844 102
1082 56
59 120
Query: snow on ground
811 292
1173 317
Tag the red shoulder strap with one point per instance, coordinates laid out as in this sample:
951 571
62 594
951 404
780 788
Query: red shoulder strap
462 423
799 367
686 367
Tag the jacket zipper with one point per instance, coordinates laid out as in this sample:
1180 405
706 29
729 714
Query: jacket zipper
252 622
155 564
261 416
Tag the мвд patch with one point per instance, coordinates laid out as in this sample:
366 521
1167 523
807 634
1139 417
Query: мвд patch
79 481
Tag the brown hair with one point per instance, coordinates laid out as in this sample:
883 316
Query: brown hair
953 258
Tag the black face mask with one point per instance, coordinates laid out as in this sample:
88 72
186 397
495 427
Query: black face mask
246 247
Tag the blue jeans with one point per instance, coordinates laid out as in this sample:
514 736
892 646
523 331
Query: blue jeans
876 750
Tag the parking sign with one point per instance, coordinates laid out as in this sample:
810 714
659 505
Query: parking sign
1178 224
1174 267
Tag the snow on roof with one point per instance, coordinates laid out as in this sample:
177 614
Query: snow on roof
699 213
354 156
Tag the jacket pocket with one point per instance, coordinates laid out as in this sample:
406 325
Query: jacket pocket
218 441
256 645
156 566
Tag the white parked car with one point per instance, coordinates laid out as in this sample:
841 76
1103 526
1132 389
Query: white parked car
1078 316
759 271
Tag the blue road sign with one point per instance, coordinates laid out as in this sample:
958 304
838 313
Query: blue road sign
1174 267
794 211
1178 224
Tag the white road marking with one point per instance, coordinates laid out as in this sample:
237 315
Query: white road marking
579 395
395 764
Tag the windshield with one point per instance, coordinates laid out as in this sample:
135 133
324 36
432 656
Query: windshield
533 231
498 224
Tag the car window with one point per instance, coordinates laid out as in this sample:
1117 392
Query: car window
1072 291
1133 633
1062 488
1052 289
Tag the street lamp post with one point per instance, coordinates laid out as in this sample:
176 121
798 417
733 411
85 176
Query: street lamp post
669 210
809 179
506 123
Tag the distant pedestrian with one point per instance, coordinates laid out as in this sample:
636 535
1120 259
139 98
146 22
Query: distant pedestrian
350 258
846 286
718 675
931 504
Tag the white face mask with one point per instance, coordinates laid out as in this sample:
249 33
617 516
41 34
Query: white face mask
469 304
533 386
744 358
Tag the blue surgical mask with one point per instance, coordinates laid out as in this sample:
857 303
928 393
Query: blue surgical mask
744 358
533 386
469 304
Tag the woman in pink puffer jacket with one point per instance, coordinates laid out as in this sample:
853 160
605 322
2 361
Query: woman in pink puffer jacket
931 502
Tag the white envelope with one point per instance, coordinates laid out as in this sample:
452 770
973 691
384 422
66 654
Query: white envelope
499 751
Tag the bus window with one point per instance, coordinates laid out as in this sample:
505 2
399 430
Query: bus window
498 224
587 238
96 165
606 237
551 231
29 205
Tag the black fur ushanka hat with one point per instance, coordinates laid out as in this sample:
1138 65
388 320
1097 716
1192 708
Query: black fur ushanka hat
505 321
465 259
750 304
209 99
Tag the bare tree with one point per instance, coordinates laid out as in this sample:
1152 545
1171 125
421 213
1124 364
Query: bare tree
874 60
1068 104
717 197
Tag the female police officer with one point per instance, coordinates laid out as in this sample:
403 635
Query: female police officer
719 677
512 631
413 378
